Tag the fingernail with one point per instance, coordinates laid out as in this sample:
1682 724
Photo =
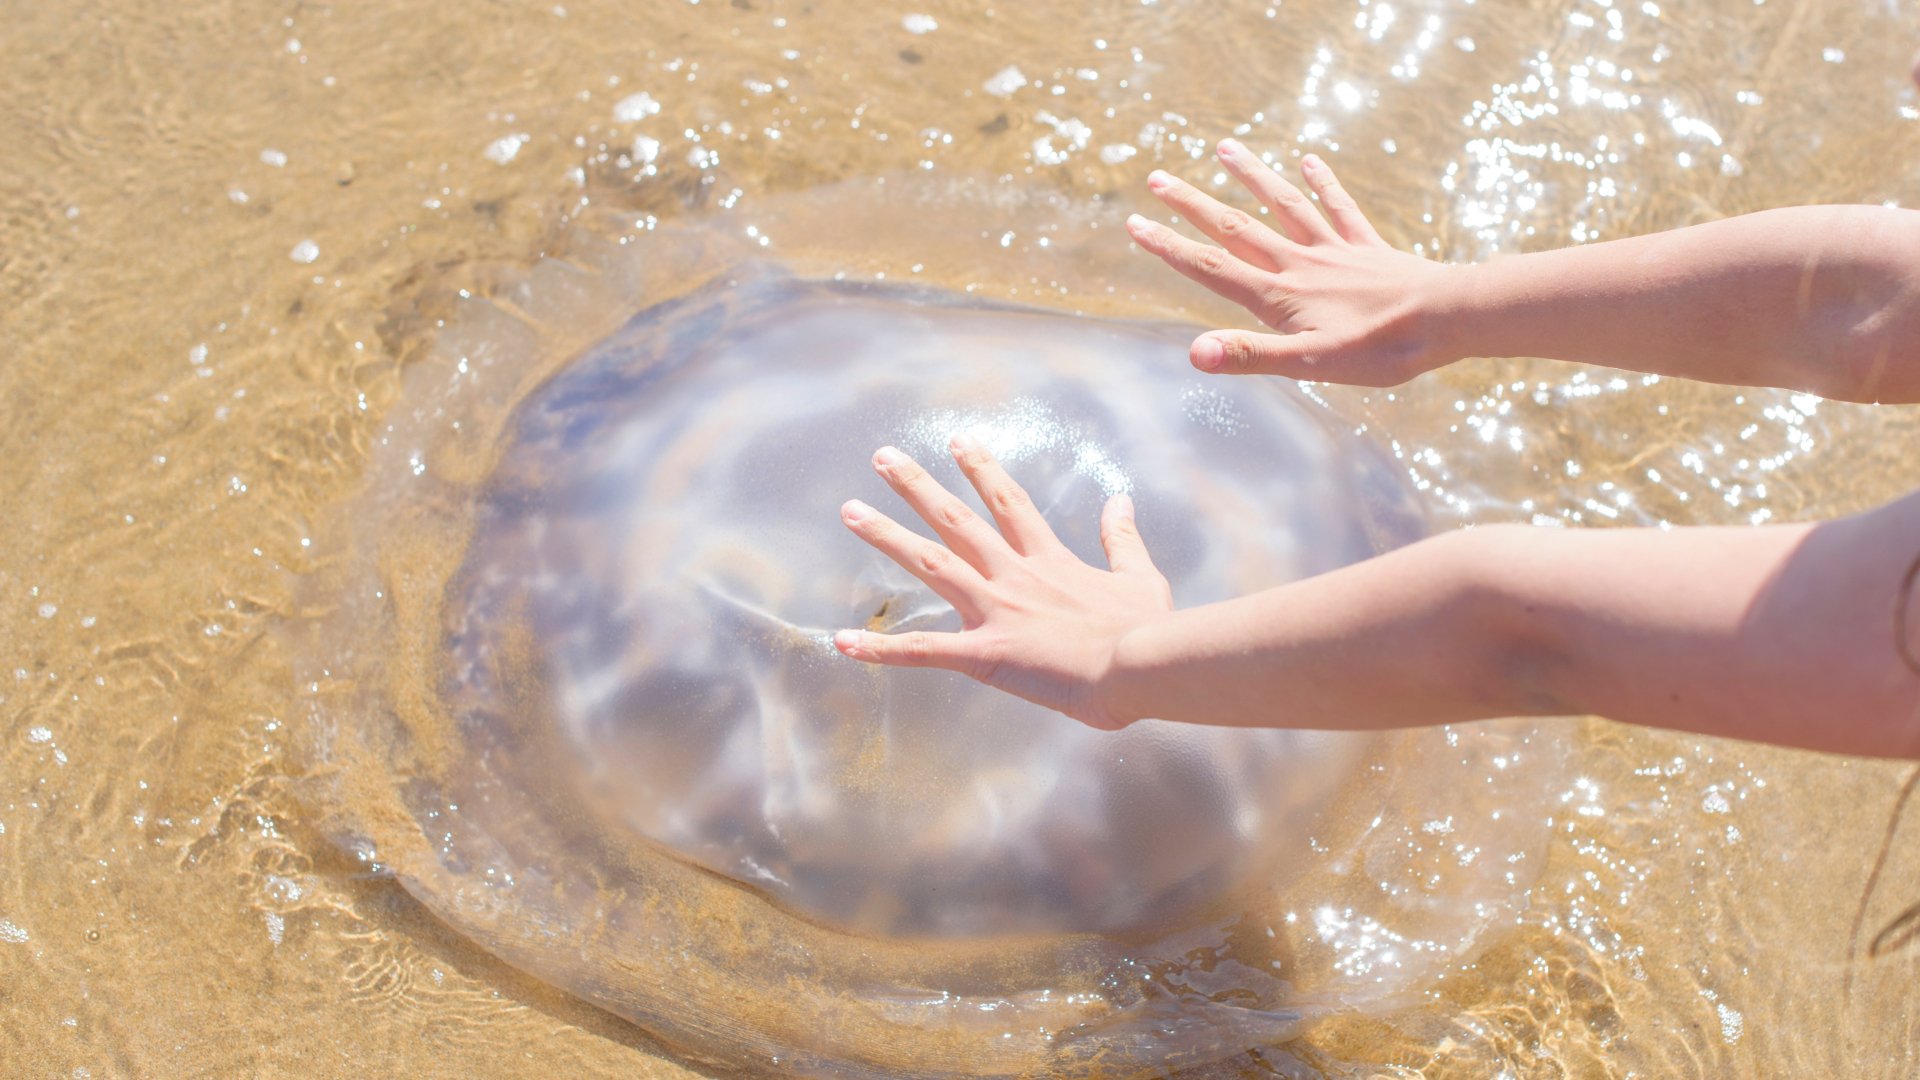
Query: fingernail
1312 163
887 457
1123 505
1209 354
1158 179
961 443
1137 224
848 641
855 510
1231 148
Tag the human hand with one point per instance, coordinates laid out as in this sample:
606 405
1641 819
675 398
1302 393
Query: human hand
1350 308
1036 621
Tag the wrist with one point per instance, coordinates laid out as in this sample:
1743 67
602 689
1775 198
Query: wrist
1449 315
1138 664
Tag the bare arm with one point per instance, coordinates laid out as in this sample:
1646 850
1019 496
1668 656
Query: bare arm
1783 634
1786 634
1818 298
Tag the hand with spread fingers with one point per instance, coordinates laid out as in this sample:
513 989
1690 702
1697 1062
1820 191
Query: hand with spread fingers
1349 308
1795 634
1037 622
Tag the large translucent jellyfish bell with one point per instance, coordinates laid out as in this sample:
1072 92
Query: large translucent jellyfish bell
662 534
572 684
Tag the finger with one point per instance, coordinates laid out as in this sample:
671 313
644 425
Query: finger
1120 537
951 579
1296 356
917 648
1204 263
962 530
1012 508
1348 221
1239 232
1291 208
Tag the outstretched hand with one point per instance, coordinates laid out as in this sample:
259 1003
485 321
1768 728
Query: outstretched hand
1036 621
1349 308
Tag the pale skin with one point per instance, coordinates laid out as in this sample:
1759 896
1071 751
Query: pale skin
1789 634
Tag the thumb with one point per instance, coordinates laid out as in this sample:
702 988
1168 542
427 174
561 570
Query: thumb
1126 552
1235 352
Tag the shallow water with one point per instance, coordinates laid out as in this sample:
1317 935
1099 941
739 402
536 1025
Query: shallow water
230 230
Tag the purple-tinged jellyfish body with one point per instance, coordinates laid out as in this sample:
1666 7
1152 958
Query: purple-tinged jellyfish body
573 688
663 529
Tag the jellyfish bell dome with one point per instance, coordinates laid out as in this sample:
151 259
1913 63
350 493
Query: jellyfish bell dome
570 678
662 532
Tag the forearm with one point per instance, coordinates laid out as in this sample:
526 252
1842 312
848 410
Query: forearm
1405 639
1819 298
1781 634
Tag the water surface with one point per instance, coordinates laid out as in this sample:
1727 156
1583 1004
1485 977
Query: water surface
229 230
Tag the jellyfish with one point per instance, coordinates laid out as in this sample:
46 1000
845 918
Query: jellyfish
573 686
